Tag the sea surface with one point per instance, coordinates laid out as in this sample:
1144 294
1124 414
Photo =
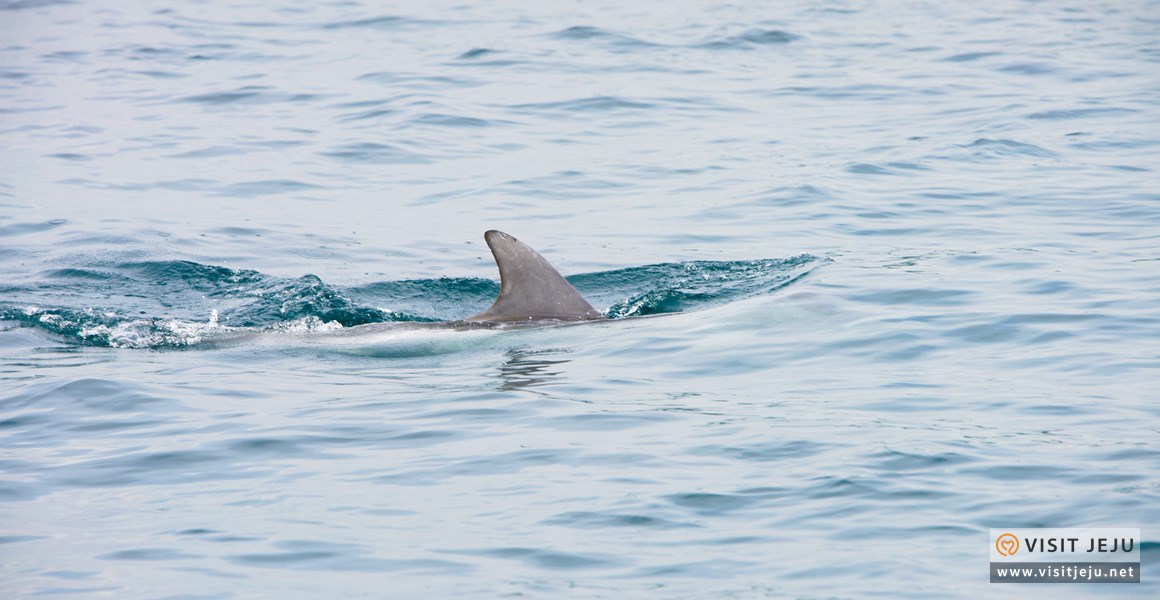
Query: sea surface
882 276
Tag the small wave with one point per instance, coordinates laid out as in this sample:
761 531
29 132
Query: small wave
583 32
29 4
685 286
586 32
867 169
742 41
113 330
71 156
444 120
1079 113
985 147
551 559
16 229
750 39
971 56
374 153
387 22
249 95
475 53
589 104
1033 69
250 189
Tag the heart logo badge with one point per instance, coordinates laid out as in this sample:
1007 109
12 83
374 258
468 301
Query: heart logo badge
1007 544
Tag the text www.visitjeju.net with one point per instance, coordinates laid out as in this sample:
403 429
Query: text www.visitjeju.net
1093 573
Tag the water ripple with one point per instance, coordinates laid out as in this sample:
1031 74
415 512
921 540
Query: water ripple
588 104
550 559
594 520
751 39
375 153
250 95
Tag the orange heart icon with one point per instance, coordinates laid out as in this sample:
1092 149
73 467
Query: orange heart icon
1007 544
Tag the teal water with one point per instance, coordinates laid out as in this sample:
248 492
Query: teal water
883 275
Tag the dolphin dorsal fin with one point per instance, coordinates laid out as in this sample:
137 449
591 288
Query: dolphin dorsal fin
530 289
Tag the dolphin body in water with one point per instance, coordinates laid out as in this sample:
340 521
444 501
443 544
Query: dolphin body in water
532 293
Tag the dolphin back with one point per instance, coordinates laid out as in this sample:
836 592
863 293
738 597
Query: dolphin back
530 289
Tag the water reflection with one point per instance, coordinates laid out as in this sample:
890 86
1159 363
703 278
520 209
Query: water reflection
530 368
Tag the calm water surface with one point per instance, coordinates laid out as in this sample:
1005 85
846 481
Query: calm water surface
906 257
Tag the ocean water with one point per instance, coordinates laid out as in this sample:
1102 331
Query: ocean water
883 275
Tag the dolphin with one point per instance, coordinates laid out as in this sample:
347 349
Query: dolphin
532 294
530 289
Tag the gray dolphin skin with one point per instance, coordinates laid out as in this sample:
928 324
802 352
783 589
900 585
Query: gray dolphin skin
530 289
